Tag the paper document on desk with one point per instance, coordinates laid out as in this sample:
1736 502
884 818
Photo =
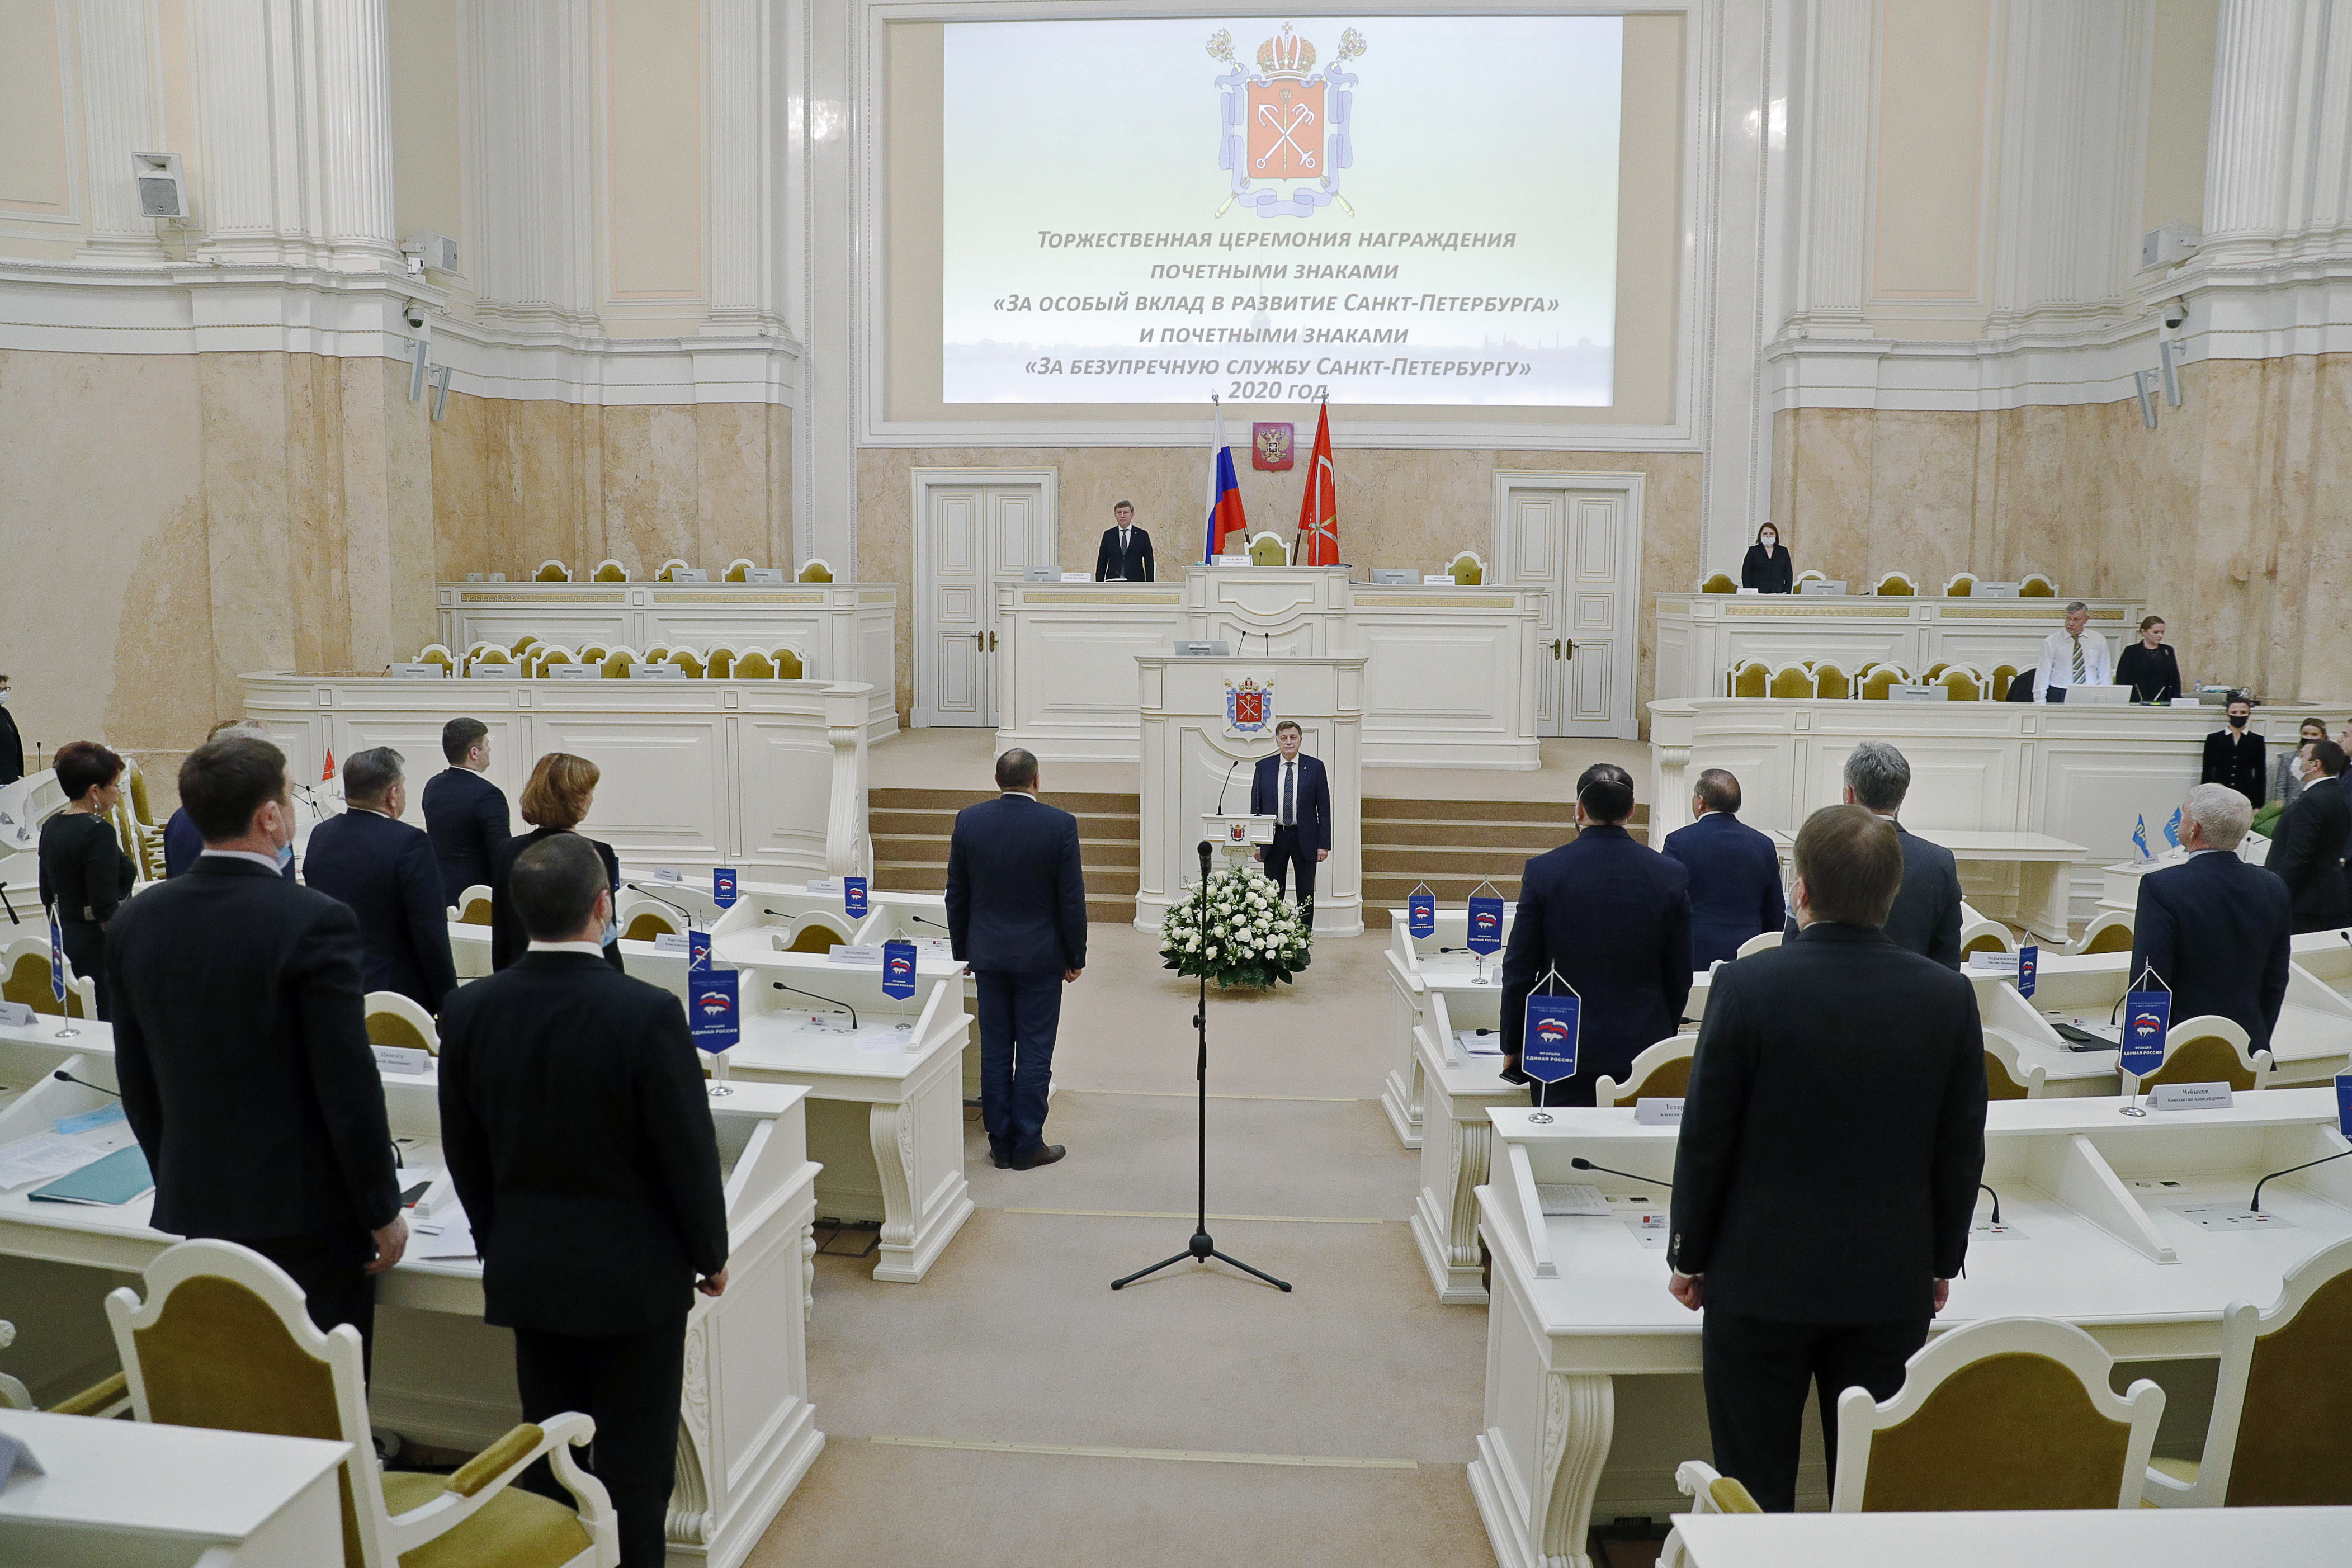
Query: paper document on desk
1478 1042
1563 1199
448 1234
43 1157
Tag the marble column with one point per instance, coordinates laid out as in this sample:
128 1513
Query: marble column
118 118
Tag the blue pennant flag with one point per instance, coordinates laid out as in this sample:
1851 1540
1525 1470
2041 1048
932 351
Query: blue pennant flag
2147 1016
1421 914
722 887
2029 964
852 895
57 960
1547 1051
2344 1104
2172 829
1486 925
2139 836
713 1008
898 969
698 951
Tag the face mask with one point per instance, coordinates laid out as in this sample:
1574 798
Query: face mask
1770 540
2238 720
4 700
285 856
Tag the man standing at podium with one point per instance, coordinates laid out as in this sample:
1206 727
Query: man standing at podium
1126 553
1295 791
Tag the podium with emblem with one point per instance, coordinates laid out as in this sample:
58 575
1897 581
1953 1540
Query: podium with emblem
1205 723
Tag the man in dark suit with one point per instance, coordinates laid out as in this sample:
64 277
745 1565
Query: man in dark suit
2234 755
1926 919
181 842
577 1126
2214 929
465 812
1124 554
1826 1172
1614 917
242 1053
1734 872
11 744
1017 920
1296 791
2307 851
385 871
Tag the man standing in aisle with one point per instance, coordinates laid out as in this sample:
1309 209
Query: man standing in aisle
1926 919
1296 791
2075 657
465 812
577 1129
241 1047
1017 920
1826 1172
2234 755
2308 851
1613 917
2214 929
1125 555
1734 872
384 870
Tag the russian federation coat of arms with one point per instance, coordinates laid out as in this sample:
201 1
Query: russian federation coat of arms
1249 707
1285 125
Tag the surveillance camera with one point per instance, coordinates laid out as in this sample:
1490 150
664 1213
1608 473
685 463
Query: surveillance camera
415 314
2175 312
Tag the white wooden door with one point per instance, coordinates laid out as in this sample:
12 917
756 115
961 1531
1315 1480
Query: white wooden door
973 538
1577 545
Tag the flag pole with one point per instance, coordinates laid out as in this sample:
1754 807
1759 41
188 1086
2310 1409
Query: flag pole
1209 517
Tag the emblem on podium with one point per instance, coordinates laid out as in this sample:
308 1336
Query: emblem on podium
1249 706
1287 126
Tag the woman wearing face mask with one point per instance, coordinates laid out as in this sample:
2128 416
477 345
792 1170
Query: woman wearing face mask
1767 569
2234 756
2286 778
556 800
84 876
2148 665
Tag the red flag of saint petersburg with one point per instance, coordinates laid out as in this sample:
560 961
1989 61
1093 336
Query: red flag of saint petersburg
1319 508
1224 508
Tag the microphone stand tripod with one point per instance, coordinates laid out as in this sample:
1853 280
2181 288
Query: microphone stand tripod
1203 1246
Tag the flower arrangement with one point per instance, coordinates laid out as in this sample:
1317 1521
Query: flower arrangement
1253 937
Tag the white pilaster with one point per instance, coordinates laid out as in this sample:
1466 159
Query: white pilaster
532 182
2278 173
744 98
1832 129
248 114
118 118
355 132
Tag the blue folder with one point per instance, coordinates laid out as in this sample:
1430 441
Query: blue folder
117 1179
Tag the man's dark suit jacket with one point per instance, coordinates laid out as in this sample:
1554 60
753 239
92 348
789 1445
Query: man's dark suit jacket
2307 852
1134 566
182 844
576 1124
2236 760
1833 1132
1926 919
1734 883
467 816
2216 929
11 749
510 939
243 1057
1016 892
1614 917
385 871
1314 802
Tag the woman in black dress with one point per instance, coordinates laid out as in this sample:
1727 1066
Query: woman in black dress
84 876
1768 569
556 800
2148 667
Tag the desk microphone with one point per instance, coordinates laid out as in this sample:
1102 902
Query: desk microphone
656 898
815 997
935 925
1996 1201
102 1088
1224 786
2254 1203
1581 1163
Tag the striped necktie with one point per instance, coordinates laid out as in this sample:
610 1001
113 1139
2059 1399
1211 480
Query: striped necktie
2078 660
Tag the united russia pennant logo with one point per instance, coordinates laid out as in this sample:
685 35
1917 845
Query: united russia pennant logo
1285 126
1249 707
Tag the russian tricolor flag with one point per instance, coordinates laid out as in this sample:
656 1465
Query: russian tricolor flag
1225 505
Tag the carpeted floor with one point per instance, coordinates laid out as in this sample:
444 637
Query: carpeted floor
1331 1424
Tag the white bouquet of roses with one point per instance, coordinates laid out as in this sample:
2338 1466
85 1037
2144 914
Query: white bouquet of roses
1251 937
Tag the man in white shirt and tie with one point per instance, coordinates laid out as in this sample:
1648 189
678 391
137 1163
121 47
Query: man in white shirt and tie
1296 793
2075 657
1126 553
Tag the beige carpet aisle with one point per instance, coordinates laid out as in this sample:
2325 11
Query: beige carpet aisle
1015 1338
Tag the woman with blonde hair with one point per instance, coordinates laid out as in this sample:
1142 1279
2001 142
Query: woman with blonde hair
556 800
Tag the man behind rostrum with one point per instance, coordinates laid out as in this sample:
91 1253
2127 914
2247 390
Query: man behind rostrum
242 1048
1826 1172
575 1123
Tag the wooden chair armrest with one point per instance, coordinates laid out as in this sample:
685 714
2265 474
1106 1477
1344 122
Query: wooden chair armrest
95 1399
